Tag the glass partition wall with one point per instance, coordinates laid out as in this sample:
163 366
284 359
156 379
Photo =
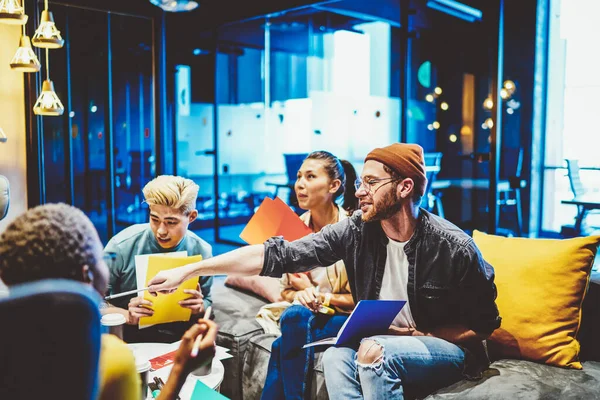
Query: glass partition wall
305 80
332 77
252 98
100 152
453 69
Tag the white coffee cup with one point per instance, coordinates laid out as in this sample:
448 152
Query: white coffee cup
143 368
203 370
114 322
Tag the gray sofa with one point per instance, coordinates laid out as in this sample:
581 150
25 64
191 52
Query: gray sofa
505 379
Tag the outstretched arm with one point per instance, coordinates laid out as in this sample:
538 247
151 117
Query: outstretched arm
318 249
246 260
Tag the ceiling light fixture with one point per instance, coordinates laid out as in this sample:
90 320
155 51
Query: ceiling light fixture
12 13
25 59
48 103
47 36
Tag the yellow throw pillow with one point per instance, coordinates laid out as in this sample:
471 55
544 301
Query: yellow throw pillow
541 285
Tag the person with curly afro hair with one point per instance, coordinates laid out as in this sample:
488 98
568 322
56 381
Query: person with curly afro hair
58 241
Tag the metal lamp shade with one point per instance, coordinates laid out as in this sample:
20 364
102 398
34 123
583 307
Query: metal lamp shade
11 13
48 103
47 36
25 59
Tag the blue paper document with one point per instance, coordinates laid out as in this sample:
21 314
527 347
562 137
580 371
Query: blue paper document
203 392
369 318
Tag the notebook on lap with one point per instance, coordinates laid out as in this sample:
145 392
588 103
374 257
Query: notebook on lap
369 318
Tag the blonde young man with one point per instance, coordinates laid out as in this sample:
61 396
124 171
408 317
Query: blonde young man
172 202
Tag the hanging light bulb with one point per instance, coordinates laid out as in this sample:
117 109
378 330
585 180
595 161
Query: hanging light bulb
25 59
3 138
12 13
48 103
47 36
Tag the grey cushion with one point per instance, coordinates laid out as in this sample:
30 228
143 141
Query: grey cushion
517 379
235 313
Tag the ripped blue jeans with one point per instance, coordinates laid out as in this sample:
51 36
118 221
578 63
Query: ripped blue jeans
419 361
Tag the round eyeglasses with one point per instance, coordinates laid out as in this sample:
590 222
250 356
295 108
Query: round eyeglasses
371 182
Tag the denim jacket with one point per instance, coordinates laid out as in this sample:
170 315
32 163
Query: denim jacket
449 282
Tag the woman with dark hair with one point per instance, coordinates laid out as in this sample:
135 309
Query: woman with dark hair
322 181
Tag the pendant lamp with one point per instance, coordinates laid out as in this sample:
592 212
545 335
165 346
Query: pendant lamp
3 137
47 36
25 59
48 103
12 13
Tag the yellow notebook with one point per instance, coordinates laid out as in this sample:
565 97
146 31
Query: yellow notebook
166 306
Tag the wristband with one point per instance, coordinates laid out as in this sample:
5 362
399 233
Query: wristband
327 299
326 310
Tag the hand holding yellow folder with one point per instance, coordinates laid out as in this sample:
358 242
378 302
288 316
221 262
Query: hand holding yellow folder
166 307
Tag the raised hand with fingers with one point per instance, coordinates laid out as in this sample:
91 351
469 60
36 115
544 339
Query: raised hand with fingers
138 307
184 363
195 302
300 281
167 281
309 298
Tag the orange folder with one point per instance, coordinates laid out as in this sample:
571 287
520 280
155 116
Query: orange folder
274 218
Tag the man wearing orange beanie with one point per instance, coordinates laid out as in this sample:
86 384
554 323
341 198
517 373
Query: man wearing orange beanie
392 249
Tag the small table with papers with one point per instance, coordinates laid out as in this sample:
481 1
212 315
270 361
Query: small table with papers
212 380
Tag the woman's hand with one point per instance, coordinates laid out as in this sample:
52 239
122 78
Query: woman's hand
138 307
300 281
309 298
194 303
184 363
204 327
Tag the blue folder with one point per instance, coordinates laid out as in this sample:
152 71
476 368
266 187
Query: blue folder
369 318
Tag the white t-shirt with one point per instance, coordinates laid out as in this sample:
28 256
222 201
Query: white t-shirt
395 282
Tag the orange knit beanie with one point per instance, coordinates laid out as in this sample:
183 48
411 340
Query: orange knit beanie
406 159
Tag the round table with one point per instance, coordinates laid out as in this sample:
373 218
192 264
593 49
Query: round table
151 350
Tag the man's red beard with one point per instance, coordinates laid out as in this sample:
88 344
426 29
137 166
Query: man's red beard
389 205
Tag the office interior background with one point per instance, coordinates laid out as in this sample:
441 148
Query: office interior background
498 93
